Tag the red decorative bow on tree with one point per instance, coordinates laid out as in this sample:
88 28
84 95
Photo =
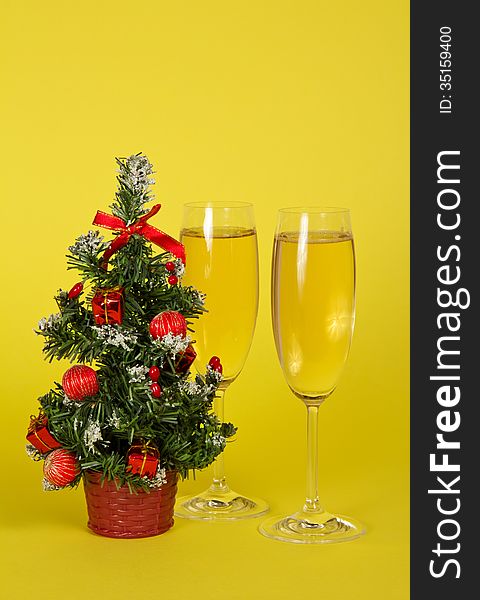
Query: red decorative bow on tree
141 227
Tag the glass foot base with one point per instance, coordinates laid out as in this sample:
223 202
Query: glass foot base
304 528
219 506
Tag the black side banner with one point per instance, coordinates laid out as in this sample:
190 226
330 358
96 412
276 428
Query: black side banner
445 435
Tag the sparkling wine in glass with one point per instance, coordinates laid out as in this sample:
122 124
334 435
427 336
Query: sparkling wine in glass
313 313
222 261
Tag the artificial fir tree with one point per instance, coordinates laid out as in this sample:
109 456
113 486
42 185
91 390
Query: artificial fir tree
129 408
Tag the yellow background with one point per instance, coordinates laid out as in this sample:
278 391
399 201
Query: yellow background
274 102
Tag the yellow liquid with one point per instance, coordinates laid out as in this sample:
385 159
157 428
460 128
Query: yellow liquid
313 308
224 266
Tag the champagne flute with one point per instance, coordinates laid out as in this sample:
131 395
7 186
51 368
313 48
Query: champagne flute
222 261
313 313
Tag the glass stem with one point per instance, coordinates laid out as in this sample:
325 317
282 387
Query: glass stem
312 503
219 485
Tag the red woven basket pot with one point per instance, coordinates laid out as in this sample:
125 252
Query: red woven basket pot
118 513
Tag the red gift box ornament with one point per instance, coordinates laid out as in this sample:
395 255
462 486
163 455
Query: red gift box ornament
186 359
39 436
107 306
142 459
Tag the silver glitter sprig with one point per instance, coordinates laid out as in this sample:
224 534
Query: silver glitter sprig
213 375
49 487
191 387
173 344
157 480
92 434
50 323
136 173
69 403
137 374
114 420
217 440
89 243
179 268
114 335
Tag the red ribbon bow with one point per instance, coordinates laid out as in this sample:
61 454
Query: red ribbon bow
141 227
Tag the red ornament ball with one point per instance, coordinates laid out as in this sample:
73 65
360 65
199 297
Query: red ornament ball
169 321
173 280
214 362
76 290
156 390
218 368
60 467
170 266
79 382
154 373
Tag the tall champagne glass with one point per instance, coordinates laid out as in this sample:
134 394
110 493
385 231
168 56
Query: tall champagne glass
222 261
313 313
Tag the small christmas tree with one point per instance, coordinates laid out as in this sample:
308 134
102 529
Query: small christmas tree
130 408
